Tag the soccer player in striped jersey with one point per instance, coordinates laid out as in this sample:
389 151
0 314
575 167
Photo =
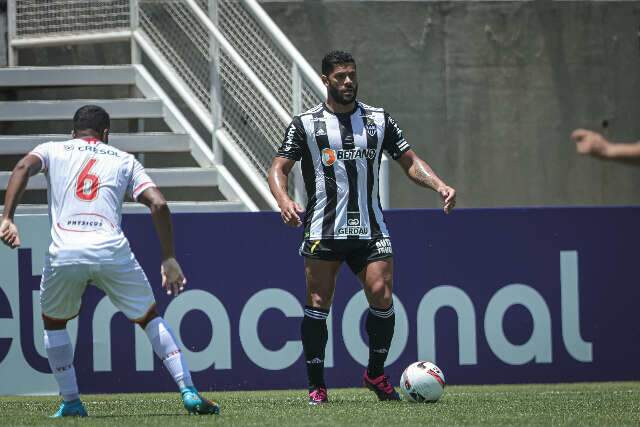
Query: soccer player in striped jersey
87 183
340 143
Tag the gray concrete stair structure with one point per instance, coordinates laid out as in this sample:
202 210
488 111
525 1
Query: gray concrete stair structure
204 170
143 142
64 109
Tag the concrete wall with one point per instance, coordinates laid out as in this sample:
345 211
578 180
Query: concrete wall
488 92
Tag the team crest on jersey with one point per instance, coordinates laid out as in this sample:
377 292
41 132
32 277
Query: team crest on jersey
68 147
328 156
372 128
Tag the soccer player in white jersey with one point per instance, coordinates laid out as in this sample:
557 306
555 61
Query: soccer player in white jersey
87 183
340 144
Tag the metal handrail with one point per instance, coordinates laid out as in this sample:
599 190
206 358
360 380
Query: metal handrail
238 61
286 47
310 76
301 71
204 117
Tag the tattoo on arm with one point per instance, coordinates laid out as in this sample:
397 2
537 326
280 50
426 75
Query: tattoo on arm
422 175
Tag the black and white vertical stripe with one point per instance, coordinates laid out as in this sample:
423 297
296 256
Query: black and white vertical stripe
346 189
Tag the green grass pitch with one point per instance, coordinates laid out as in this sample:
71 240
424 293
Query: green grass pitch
603 404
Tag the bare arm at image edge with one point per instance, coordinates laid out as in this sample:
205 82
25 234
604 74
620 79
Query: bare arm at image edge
594 144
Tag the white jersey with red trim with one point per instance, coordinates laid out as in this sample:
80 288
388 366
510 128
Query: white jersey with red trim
87 183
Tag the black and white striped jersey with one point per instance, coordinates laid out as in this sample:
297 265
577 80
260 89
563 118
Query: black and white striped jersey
340 156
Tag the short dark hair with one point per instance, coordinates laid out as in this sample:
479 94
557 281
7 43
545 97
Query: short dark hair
91 117
336 57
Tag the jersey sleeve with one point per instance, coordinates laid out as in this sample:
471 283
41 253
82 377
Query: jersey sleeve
294 141
42 151
139 182
394 142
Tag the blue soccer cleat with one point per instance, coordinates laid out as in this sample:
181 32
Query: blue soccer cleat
73 408
194 403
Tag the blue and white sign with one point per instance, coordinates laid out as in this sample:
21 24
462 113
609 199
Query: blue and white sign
492 296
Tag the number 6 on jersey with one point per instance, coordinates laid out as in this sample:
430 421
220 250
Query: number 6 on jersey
87 184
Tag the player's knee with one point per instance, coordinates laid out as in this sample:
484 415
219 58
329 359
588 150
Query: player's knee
381 301
380 294
152 314
320 300
53 324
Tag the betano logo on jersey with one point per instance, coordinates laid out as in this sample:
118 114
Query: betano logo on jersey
329 155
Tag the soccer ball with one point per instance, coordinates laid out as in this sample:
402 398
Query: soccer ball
422 382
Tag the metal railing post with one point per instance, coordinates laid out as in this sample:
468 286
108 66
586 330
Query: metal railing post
134 21
296 89
215 92
383 182
11 20
299 193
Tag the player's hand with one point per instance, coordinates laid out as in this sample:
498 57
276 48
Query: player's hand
448 195
589 142
290 212
9 233
173 280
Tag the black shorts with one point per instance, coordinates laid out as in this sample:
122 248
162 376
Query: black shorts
356 253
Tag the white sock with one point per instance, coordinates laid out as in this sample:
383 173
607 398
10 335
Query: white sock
165 347
60 354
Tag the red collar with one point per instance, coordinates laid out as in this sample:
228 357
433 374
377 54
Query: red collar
91 140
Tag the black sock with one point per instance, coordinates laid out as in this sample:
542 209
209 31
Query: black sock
380 325
314 340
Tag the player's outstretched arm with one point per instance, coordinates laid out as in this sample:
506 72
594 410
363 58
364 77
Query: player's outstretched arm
421 173
28 166
278 184
594 144
173 280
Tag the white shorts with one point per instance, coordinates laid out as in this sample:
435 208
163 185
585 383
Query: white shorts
126 285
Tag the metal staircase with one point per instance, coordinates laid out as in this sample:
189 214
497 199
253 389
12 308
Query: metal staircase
154 104
228 65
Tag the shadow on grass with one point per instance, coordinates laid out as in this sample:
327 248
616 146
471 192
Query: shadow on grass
150 415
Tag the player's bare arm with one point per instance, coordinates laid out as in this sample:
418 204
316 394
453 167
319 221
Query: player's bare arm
594 144
28 166
421 173
173 280
278 183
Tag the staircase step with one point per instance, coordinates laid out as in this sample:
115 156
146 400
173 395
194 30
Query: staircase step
165 177
138 208
94 75
64 109
147 142
184 177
